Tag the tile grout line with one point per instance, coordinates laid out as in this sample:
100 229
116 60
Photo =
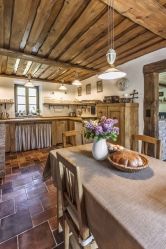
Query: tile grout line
22 232
52 233
10 179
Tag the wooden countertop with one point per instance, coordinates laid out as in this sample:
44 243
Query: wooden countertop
37 119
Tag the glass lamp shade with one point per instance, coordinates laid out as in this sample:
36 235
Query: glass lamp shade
112 74
29 84
62 88
111 56
76 83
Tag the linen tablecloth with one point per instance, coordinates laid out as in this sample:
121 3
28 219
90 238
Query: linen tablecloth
125 210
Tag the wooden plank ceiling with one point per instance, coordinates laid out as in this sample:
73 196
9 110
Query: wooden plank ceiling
54 39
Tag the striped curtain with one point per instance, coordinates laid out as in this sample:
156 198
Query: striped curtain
32 136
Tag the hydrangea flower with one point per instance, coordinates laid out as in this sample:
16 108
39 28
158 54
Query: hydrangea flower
103 128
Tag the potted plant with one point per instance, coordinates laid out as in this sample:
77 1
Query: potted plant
100 131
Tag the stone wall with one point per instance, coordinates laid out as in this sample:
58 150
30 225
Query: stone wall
2 150
162 136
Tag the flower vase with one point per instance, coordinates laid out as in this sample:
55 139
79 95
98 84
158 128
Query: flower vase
100 149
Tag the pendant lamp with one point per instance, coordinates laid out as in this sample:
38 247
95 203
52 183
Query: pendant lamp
29 83
76 82
111 73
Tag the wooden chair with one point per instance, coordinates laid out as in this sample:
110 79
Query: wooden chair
73 135
74 213
146 141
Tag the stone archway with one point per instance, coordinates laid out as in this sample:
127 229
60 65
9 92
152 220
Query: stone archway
151 97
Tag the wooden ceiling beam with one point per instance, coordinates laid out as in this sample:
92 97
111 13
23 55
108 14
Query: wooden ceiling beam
149 14
162 85
33 79
139 53
159 66
38 59
142 40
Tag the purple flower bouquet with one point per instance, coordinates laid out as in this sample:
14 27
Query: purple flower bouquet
101 129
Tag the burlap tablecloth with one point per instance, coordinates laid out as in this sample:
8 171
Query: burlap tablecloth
125 210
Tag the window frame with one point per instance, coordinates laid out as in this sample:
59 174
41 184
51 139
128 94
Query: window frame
26 97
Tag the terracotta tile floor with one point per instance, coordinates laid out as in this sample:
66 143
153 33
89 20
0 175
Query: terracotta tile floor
27 204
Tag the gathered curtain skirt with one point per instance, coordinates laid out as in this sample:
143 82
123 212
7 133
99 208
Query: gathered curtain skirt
32 136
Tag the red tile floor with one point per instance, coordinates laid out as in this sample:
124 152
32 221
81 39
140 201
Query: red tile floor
27 204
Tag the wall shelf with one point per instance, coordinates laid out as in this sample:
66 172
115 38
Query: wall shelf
6 101
62 103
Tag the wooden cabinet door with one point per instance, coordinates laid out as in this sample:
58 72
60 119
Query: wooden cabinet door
78 127
61 126
117 113
102 111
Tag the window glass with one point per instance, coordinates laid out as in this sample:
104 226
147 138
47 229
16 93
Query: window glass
21 91
26 99
21 108
21 100
32 100
32 91
32 108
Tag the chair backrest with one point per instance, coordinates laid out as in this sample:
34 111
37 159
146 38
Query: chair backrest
73 134
72 195
146 141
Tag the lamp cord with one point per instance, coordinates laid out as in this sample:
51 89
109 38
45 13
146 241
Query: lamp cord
110 16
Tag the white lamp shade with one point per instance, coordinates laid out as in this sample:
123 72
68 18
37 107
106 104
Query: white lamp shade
112 74
29 84
76 83
62 88
111 56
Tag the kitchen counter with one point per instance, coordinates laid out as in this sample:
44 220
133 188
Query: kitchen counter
39 119
39 132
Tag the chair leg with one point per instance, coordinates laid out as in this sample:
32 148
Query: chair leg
59 211
66 234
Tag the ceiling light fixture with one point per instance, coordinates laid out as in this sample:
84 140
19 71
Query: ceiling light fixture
76 82
16 65
29 63
111 73
29 83
62 87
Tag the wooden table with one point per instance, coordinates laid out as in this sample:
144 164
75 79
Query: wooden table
125 210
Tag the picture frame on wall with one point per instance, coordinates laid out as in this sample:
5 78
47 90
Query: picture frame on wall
79 90
99 85
88 89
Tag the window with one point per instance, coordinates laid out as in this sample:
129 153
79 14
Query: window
26 99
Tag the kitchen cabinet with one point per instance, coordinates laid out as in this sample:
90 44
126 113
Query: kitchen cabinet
60 127
16 129
127 116
102 110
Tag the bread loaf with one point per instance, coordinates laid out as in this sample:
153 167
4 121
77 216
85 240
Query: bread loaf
127 158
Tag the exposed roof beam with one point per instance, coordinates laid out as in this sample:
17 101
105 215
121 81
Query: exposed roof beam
159 67
38 59
13 76
148 14
162 85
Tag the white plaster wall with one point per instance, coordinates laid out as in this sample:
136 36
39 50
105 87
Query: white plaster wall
134 70
45 90
162 106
